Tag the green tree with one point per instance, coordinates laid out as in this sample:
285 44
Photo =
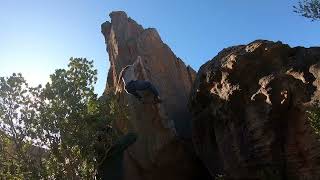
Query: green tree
69 119
314 118
18 119
309 9
53 132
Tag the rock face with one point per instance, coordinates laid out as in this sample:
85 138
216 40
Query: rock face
159 152
249 112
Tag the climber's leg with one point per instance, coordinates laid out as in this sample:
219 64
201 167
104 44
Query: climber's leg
131 89
142 85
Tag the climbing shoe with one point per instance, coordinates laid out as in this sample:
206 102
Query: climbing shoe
157 99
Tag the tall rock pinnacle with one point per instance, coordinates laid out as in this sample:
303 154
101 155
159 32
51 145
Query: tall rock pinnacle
164 130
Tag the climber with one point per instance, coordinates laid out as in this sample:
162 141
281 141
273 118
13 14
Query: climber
132 84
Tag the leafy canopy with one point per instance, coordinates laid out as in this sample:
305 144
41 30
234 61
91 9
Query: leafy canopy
309 9
50 132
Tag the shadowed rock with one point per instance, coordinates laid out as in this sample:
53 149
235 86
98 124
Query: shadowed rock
111 166
249 112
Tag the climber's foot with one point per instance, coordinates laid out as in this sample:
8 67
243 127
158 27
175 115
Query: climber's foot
157 99
141 100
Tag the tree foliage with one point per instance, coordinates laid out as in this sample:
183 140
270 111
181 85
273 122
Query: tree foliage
18 118
314 118
309 9
67 115
51 132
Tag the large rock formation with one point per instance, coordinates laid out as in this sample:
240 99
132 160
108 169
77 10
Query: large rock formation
249 112
159 152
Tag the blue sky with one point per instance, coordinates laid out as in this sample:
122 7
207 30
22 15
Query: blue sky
39 36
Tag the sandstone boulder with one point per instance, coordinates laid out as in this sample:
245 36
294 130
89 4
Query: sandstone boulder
249 112
162 150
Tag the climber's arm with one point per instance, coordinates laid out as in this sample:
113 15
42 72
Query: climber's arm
118 85
118 89
119 82
121 74
139 63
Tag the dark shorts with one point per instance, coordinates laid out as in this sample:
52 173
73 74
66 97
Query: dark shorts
140 85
